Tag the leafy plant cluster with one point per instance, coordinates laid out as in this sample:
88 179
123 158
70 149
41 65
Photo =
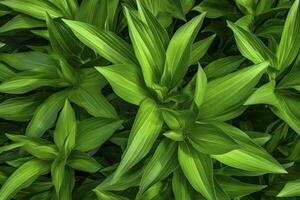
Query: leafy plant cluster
149 99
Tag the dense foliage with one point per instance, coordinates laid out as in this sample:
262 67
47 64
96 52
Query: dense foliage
149 99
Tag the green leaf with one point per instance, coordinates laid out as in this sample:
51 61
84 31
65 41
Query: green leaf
290 189
210 140
181 186
258 137
179 51
200 48
93 132
175 8
283 104
264 95
174 135
200 87
5 72
105 195
129 179
83 162
39 148
162 163
288 109
236 188
251 46
62 39
289 45
160 190
21 22
290 81
223 66
216 8
126 81
66 189
151 21
27 81
93 12
24 176
148 48
68 7
19 108
34 8
145 130
198 169
91 99
225 96
58 173
28 60
45 115
66 129
250 157
105 43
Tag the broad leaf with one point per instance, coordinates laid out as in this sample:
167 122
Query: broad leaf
227 94
45 115
28 60
200 48
250 156
251 46
148 48
93 132
162 163
181 186
126 81
236 188
210 140
19 108
34 8
66 129
21 22
106 43
290 189
223 66
83 162
23 177
179 51
289 45
198 169
144 132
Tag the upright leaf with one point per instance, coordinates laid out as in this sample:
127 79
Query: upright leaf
198 169
179 51
148 48
58 173
162 163
200 87
93 12
45 115
181 186
289 45
144 132
66 129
